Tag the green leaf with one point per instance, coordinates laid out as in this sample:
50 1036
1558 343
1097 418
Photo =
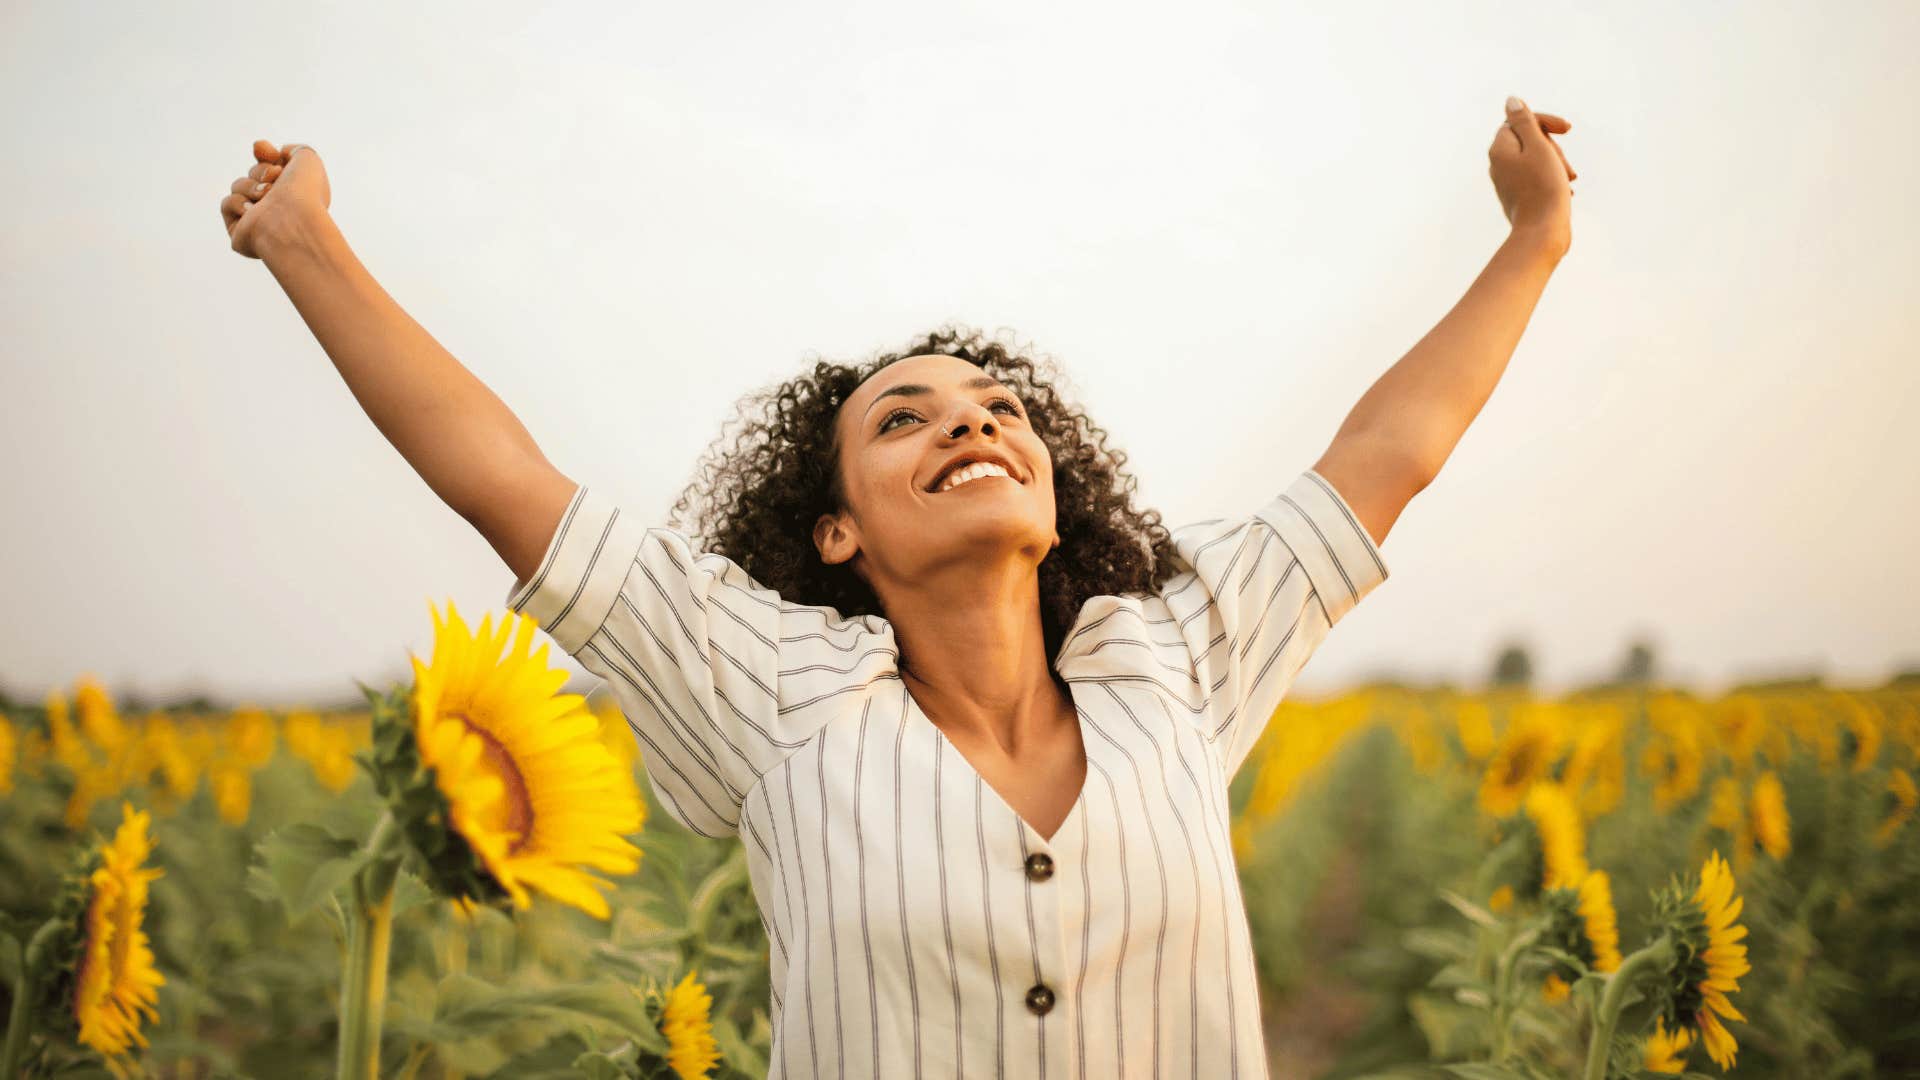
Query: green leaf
11 956
303 864
1482 1071
707 895
1459 976
1451 1029
604 1065
735 1051
468 1007
1474 912
1436 944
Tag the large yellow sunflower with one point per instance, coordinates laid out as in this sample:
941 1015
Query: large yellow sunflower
1712 959
529 784
115 981
692 1051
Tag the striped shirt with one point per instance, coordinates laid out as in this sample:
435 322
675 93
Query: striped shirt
917 925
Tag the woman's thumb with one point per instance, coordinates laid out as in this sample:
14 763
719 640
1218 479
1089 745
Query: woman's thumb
1520 118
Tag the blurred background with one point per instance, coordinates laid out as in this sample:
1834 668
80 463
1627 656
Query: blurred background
1224 226
1667 573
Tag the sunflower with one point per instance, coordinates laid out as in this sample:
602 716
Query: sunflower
1863 724
161 747
232 787
1741 726
1675 753
615 732
1562 842
1666 1051
115 980
1905 797
1584 925
1724 807
9 750
1768 811
326 746
1596 772
1473 722
1526 752
692 1051
249 737
527 782
99 720
1711 958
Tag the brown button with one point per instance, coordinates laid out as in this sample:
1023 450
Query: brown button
1039 866
1040 999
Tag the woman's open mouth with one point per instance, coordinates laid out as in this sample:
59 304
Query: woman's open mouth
968 475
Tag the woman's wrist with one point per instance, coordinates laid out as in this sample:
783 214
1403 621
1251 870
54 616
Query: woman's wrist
1549 241
298 235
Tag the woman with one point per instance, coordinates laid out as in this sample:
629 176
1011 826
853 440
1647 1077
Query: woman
972 715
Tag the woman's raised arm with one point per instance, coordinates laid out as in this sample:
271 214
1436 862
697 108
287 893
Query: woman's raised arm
461 438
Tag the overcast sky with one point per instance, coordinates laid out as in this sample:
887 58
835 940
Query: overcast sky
1223 225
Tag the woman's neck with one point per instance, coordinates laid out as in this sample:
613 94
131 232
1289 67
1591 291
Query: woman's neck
980 664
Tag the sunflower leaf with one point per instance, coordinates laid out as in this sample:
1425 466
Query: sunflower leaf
735 1050
706 897
468 1007
304 864
1436 944
1474 912
1483 1071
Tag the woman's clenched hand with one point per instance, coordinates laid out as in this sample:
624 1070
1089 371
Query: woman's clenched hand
284 184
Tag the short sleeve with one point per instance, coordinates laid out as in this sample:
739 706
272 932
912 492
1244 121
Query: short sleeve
1255 596
688 643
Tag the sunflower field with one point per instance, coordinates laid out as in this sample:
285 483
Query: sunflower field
465 876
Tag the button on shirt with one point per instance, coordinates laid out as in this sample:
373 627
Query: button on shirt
918 926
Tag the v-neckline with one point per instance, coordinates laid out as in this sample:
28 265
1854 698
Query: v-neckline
1086 749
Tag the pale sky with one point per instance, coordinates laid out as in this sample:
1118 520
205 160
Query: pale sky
1223 223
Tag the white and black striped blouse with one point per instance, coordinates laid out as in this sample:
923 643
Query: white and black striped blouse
919 927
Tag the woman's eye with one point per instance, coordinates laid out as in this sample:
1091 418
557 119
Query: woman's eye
887 424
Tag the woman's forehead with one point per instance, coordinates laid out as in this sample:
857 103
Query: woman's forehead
912 373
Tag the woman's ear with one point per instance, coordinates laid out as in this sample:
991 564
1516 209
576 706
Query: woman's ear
834 541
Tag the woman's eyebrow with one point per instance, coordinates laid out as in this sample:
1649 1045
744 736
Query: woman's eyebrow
978 382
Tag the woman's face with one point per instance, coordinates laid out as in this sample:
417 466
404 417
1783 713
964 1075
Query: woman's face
897 433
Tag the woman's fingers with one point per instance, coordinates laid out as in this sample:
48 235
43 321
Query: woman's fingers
231 208
1571 175
248 187
265 151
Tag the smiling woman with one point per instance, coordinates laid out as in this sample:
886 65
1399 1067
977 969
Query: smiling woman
977 740
798 455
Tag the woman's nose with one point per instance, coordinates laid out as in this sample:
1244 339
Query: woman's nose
960 419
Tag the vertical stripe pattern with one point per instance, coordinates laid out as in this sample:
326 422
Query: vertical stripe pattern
917 924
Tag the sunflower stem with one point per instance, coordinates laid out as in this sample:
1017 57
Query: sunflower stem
1503 988
25 989
363 991
1658 955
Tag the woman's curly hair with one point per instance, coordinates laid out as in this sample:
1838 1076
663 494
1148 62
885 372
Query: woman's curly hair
760 491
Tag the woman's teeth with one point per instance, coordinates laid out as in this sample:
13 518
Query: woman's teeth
972 472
